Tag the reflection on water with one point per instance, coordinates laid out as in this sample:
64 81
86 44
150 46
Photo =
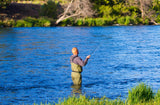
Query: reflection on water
76 89
35 66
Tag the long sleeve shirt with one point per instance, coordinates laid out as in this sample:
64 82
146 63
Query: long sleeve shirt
77 60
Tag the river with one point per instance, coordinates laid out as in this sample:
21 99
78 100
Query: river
35 65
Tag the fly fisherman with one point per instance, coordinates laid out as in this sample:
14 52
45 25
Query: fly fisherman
76 66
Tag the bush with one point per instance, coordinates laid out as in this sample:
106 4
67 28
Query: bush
67 22
158 19
146 21
105 11
8 22
121 20
79 22
5 3
90 22
31 20
50 9
99 22
43 22
141 93
23 23
1 24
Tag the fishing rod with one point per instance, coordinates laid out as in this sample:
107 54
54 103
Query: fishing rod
95 49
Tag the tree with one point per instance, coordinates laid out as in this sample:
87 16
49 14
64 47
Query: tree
77 8
145 6
50 9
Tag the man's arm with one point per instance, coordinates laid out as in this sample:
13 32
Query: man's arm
81 62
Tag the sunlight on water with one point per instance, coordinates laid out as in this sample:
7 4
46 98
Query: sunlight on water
35 66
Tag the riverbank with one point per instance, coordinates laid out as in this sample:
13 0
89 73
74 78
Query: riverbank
139 95
48 22
27 14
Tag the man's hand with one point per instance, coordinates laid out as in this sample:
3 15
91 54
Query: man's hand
88 56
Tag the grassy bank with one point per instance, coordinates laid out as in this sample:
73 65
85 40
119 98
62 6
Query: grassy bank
48 22
139 95
127 20
108 12
28 22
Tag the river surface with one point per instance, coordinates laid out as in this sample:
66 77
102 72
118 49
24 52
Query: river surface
35 62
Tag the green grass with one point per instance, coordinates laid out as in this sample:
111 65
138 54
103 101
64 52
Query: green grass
142 94
27 22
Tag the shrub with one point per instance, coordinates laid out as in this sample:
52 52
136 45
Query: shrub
127 20
1 24
31 20
67 22
105 11
90 22
43 22
5 3
99 22
141 93
23 23
121 20
158 19
79 22
146 21
50 9
8 22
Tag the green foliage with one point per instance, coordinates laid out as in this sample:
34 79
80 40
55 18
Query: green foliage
156 5
79 22
43 22
157 96
23 23
105 11
4 3
158 19
141 93
146 21
90 22
100 22
49 9
120 9
67 22
83 100
33 22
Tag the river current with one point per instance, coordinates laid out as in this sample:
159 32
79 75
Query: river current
35 62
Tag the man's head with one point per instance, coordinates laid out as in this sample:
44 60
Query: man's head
75 51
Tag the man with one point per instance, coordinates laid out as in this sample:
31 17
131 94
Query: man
76 66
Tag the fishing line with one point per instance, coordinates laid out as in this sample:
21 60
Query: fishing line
95 49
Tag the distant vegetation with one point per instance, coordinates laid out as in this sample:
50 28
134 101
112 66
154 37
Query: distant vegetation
139 95
107 12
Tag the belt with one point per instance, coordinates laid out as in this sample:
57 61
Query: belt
76 71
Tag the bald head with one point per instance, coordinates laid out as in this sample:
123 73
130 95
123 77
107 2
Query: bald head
75 51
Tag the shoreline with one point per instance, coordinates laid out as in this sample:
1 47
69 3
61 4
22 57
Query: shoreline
141 94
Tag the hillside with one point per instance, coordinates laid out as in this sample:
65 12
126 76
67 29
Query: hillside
19 11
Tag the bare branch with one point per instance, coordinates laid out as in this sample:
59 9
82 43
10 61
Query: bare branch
77 8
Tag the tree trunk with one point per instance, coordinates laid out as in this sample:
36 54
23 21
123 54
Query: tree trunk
141 8
64 14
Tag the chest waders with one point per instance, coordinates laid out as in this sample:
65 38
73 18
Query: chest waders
76 73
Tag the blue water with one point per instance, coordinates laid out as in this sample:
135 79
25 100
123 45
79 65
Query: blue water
35 66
